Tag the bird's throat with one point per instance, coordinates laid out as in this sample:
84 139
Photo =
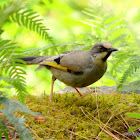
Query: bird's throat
107 55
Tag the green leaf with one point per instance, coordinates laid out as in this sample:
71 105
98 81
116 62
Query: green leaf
134 115
133 128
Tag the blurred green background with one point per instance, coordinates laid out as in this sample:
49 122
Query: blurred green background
65 19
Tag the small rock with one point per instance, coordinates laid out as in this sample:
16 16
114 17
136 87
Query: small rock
99 90
132 104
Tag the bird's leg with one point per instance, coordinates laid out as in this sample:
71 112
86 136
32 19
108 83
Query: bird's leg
51 95
78 92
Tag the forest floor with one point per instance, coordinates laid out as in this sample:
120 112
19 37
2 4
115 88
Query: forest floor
93 116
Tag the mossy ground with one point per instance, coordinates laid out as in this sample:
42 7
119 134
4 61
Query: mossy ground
92 116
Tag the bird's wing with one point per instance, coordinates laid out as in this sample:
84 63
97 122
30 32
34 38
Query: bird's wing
65 62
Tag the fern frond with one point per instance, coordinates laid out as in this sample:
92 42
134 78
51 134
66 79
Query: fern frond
133 67
121 57
93 24
8 9
14 71
107 27
9 110
31 20
89 12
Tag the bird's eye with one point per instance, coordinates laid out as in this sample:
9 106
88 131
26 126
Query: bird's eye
100 47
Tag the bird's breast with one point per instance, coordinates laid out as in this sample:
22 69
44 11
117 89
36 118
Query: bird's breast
90 75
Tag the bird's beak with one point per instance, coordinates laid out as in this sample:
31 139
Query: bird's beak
112 49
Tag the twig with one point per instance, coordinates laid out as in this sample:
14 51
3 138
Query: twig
33 131
109 127
107 132
105 125
127 84
86 121
125 121
97 105
37 84
74 128
11 55
78 135
128 125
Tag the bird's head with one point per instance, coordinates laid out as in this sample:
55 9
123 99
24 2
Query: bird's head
102 50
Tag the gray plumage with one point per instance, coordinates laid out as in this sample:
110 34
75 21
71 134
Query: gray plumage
77 68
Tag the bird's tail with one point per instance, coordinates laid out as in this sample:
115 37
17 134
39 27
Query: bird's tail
31 60
34 60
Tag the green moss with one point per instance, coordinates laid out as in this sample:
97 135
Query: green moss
70 116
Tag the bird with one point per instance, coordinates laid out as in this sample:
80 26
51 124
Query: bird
75 68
